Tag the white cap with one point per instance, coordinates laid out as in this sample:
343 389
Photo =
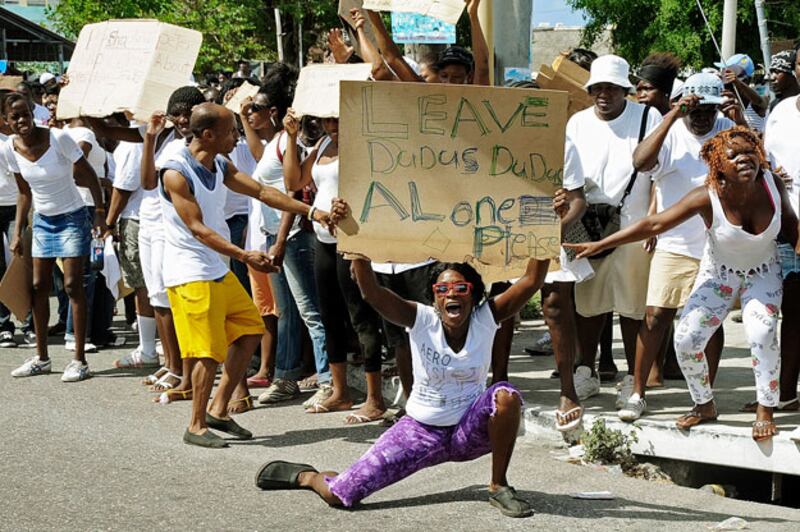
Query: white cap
677 89
707 86
47 76
610 69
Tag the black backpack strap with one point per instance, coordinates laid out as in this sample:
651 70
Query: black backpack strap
632 181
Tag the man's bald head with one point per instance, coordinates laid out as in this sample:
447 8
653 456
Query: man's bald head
208 116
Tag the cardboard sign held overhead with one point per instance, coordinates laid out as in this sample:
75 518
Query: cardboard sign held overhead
128 65
246 90
10 82
446 10
317 92
566 76
451 172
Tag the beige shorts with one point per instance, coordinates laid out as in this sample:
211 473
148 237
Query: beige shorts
619 284
671 279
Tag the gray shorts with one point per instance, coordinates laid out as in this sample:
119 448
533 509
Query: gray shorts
129 253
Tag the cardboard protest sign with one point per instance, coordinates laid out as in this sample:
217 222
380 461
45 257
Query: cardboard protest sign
246 90
127 65
567 78
413 28
317 92
451 172
16 285
10 82
446 10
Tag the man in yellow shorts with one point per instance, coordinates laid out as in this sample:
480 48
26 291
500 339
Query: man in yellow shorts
215 320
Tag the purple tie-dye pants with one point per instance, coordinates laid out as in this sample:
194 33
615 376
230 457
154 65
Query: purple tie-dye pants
410 446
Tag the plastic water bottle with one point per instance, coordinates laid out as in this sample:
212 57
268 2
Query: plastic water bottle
96 257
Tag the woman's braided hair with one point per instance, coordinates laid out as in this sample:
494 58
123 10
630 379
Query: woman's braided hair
713 153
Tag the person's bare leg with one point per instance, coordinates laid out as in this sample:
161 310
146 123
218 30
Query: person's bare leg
501 351
73 286
589 331
316 482
559 315
340 399
714 353
606 365
203 376
142 304
649 342
236 362
239 403
42 282
790 338
630 331
268 344
503 427
374 407
655 379
402 357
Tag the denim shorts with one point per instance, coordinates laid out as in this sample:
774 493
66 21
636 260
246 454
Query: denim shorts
790 261
62 235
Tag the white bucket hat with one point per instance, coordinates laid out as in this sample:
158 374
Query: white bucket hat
610 69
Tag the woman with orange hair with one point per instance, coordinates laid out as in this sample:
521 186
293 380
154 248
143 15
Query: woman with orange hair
744 208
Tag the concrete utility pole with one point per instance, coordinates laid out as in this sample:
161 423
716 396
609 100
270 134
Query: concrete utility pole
486 17
763 32
513 49
279 33
729 29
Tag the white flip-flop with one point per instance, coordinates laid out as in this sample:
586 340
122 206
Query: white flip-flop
572 424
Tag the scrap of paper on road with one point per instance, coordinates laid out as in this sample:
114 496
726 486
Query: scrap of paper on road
446 10
128 65
317 92
451 172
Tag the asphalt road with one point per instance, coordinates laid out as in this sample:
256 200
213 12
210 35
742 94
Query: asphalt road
99 455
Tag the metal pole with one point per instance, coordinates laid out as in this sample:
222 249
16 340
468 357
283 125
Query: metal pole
300 43
729 29
279 33
486 17
763 32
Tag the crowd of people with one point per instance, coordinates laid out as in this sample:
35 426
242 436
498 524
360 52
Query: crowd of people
677 194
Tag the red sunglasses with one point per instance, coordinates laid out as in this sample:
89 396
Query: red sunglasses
460 288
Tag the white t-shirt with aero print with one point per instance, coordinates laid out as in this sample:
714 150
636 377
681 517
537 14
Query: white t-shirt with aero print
446 383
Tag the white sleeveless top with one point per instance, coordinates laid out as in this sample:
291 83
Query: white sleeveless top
326 179
186 259
732 249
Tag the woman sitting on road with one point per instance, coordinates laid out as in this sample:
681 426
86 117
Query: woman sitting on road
744 208
451 416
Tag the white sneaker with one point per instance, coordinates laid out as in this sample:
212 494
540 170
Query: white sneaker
322 395
137 359
624 391
159 348
76 371
88 347
586 386
795 435
633 408
33 366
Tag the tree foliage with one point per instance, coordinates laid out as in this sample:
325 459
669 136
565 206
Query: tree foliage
232 29
639 27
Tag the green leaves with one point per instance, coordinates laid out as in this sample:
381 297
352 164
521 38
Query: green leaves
640 27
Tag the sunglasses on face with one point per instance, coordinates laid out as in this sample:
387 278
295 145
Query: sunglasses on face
460 288
257 108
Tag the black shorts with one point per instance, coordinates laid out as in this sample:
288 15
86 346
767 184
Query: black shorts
413 285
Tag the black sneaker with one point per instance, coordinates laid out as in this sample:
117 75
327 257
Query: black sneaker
7 339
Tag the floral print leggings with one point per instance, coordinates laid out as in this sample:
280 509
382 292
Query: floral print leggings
711 300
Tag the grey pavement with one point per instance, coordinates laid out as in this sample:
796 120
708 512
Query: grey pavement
99 455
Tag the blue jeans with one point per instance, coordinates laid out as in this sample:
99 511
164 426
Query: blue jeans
237 224
296 282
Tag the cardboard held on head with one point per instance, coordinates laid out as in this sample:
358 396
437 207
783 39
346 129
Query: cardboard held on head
245 91
451 172
317 92
446 10
564 75
127 65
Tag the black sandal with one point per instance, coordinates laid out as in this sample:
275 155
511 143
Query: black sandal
280 475
509 503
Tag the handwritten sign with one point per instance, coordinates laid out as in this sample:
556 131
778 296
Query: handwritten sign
128 65
413 28
446 10
455 173
245 91
317 92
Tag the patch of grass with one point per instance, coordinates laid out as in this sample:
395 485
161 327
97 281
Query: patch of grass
609 446
533 308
